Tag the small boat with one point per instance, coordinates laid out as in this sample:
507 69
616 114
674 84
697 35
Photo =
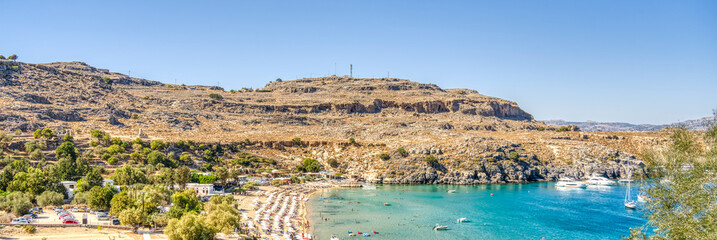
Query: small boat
462 220
642 197
625 181
334 237
600 181
366 234
386 204
440 228
369 187
451 191
352 234
570 183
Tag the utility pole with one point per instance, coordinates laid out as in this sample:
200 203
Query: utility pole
351 70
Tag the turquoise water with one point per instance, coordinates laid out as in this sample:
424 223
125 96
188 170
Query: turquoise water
515 211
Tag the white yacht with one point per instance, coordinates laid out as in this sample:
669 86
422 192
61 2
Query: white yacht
462 220
334 237
600 181
570 183
629 202
452 191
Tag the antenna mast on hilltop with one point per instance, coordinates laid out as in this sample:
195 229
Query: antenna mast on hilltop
351 71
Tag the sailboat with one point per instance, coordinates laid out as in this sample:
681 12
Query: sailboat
629 202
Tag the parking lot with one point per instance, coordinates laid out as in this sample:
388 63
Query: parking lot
50 217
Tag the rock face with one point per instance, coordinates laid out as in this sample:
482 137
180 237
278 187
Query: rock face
476 138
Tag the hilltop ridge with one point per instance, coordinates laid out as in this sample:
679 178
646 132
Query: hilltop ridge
474 138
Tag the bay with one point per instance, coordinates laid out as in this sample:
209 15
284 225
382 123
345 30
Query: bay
514 211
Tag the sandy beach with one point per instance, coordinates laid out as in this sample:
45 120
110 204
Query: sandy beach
261 206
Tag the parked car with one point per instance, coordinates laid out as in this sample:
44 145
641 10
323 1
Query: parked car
69 221
115 221
64 215
74 209
36 210
101 216
30 216
20 221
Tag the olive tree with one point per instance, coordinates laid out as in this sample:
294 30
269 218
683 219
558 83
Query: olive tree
681 201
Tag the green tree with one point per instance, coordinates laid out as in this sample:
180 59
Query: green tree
12 57
222 175
66 150
182 176
384 156
34 181
132 216
44 133
156 157
50 198
190 227
352 141
222 216
310 165
120 202
100 197
682 201
183 202
296 141
128 175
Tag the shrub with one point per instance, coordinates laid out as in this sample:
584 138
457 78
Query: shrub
430 160
50 198
216 96
541 129
296 141
94 143
402 152
185 158
309 165
106 156
352 141
333 163
158 145
384 156
514 156
107 80
563 129
134 116
112 160
30 229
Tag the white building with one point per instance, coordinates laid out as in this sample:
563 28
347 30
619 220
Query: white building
69 188
202 189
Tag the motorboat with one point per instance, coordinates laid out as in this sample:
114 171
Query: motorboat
570 183
386 204
440 228
334 237
451 191
600 181
462 220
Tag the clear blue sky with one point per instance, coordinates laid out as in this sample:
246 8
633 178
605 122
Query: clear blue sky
632 61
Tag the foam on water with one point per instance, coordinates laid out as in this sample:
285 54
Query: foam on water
515 211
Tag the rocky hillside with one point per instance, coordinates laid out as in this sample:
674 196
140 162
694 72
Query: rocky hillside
474 138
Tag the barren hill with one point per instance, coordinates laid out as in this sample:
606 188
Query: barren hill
476 138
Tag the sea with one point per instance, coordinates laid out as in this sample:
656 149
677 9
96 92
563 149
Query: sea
506 211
